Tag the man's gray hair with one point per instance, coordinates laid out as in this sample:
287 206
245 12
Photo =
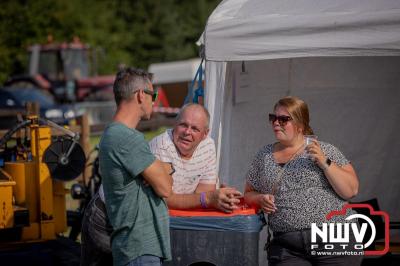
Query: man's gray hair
129 80
204 110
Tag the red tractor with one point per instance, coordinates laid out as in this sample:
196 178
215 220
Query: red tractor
64 71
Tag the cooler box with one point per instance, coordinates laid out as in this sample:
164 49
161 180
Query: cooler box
209 237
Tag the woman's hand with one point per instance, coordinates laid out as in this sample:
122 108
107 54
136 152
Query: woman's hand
267 203
315 152
343 179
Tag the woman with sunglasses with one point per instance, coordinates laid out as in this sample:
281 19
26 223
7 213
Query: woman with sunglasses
297 185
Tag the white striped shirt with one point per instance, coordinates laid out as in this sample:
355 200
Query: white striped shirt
200 169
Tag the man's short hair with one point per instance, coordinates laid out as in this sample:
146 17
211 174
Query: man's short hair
129 80
205 111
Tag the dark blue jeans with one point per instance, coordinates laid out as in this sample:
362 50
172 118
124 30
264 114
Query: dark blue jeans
294 248
95 235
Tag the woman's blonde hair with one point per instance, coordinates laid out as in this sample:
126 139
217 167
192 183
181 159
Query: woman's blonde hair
298 110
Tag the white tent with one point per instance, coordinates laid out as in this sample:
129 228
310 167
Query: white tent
342 57
174 72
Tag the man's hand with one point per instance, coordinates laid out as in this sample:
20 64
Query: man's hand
224 199
169 168
158 178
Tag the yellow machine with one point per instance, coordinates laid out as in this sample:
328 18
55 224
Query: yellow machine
32 176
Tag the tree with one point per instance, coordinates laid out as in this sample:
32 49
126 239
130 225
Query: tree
134 33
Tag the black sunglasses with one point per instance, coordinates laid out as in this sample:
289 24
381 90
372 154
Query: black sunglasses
153 94
282 119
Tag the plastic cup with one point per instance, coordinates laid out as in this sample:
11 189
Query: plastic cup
308 139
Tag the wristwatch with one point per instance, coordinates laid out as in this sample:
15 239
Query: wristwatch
327 163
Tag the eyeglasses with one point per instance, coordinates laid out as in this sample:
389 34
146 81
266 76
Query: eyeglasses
172 169
282 119
153 94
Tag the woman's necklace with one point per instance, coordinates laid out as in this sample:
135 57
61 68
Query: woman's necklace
278 180
282 157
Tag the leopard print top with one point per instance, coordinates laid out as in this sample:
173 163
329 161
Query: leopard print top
304 196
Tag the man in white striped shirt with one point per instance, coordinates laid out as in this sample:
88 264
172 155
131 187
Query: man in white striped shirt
192 153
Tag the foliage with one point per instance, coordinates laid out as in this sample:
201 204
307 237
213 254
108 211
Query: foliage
135 32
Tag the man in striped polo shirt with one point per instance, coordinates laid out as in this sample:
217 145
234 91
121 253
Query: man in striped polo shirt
192 153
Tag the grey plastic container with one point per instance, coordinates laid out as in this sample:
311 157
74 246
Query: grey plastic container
229 241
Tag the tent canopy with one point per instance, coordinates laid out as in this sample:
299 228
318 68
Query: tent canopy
261 29
342 57
174 72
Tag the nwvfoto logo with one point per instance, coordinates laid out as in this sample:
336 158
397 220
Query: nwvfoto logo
332 234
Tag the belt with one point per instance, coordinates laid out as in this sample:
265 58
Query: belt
278 234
